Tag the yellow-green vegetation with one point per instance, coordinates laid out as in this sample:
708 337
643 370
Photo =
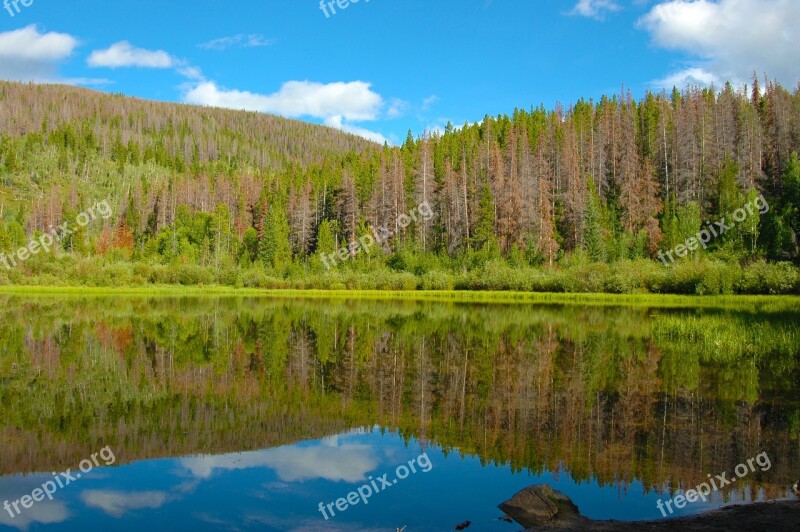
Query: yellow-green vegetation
623 277
750 303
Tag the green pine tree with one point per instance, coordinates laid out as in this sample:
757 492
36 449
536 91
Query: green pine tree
593 241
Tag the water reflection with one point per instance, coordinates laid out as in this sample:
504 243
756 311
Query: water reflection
259 398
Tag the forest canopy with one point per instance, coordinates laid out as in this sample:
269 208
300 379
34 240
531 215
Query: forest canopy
578 198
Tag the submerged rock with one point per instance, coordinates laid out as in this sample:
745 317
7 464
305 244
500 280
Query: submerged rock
541 505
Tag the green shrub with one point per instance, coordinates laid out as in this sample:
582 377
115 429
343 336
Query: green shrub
684 277
632 276
764 278
719 278
227 277
587 278
437 281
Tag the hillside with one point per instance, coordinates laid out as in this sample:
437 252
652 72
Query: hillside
605 190
174 135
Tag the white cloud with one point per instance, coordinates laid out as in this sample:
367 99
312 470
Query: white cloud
241 40
29 55
329 460
353 101
336 122
44 512
730 39
192 73
28 44
429 101
118 503
123 54
689 76
334 103
397 108
594 8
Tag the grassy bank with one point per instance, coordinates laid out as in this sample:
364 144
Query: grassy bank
756 303
701 278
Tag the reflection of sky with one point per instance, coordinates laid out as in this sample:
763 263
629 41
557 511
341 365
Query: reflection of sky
333 459
11 488
281 488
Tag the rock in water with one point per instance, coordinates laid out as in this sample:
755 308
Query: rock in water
539 505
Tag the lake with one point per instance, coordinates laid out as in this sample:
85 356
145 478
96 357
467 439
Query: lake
256 413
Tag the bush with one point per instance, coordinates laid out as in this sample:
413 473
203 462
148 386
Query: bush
437 281
633 276
719 278
498 275
227 277
143 271
764 278
589 278
683 278
256 278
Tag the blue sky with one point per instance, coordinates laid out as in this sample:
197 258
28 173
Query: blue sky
381 67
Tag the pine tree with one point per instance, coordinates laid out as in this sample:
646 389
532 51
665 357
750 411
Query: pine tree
276 251
483 237
593 238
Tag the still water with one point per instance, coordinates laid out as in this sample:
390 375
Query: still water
234 413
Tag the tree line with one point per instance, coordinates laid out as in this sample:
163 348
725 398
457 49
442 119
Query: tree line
597 182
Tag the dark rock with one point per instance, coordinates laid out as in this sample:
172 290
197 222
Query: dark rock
541 505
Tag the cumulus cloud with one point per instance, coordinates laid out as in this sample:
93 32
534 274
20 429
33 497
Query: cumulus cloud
330 460
118 503
336 122
594 8
729 39
30 55
45 512
123 54
239 41
334 103
689 76
354 100
29 44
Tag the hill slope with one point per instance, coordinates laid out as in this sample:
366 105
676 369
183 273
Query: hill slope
173 131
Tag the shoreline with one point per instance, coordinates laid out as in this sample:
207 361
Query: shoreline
769 515
448 296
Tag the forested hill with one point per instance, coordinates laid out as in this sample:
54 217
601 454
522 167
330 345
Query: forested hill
173 135
604 185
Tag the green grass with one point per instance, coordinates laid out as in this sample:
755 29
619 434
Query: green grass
755 303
